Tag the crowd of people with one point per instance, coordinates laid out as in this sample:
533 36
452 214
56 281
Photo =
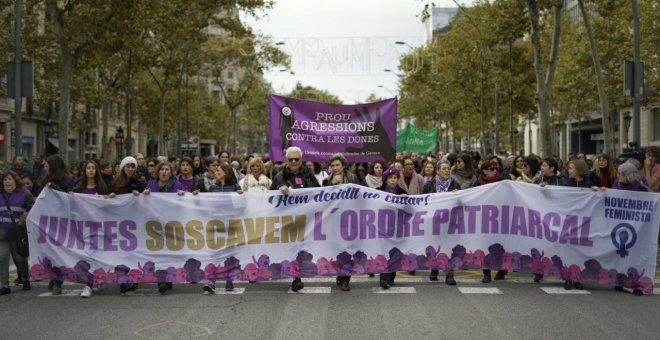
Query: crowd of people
408 174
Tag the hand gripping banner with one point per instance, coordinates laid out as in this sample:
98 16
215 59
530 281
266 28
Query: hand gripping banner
604 238
362 133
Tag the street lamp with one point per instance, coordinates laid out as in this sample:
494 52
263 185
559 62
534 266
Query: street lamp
119 141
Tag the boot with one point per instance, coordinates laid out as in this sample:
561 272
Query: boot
297 284
449 278
487 278
434 275
500 274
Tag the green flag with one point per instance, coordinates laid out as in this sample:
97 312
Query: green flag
412 139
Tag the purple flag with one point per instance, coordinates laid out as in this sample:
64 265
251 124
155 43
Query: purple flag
362 132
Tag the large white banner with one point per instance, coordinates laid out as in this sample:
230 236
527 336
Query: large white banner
606 238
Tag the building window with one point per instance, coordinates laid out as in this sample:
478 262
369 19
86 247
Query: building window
655 116
230 74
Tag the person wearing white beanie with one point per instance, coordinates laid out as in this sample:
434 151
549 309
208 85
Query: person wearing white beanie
127 160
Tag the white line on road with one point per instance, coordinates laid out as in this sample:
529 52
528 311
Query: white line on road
236 291
561 290
65 293
394 290
479 290
312 290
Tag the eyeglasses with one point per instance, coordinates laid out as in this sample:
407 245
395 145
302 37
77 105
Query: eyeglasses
151 165
294 159
492 169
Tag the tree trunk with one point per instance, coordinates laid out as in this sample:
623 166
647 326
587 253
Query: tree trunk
602 96
161 124
65 91
544 85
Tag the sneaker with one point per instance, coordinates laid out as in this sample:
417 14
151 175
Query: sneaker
5 291
384 284
18 281
133 287
26 285
449 280
434 275
638 292
412 272
371 275
297 285
618 288
210 287
86 292
123 288
57 288
578 285
500 275
229 286
163 287
568 284
538 278
344 286
486 279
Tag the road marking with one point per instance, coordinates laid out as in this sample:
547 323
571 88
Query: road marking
160 329
479 290
333 279
312 290
394 290
65 293
236 291
561 290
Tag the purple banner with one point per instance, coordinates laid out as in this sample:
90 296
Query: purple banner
362 132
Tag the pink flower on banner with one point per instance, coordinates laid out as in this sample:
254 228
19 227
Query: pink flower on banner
323 266
294 270
209 271
478 258
135 275
37 272
180 275
603 276
546 264
71 275
99 276
574 273
370 266
468 260
507 261
221 273
405 264
250 272
148 271
111 277
381 263
646 285
442 261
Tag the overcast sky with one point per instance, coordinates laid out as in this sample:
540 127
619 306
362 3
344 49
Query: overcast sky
344 46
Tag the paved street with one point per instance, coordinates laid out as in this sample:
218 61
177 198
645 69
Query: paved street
415 308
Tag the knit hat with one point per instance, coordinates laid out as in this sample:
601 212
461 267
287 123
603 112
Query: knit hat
127 160
389 172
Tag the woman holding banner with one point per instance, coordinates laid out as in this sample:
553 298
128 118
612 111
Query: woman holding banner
294 176
490 173
340 175
58 179
391 186
442 182
16 202
256 179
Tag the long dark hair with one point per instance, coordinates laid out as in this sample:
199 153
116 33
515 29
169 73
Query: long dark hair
229 173
56 169
101 188
468 169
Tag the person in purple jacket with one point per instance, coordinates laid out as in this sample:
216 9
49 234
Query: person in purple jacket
166 182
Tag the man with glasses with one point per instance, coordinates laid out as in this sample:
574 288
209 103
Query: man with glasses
294 175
